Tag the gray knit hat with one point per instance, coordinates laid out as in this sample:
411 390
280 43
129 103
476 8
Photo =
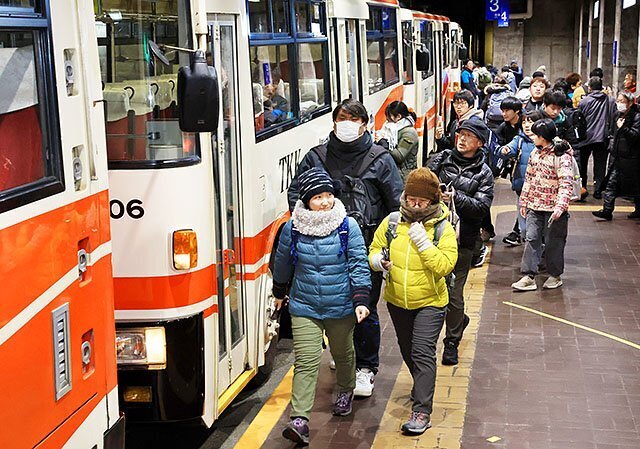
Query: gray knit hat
314 182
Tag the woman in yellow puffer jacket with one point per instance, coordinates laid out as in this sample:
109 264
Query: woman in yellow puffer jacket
416 290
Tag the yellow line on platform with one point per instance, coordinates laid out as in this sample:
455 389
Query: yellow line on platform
571 323
268 416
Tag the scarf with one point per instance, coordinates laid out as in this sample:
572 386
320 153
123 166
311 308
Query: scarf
342 157
318 223
416 214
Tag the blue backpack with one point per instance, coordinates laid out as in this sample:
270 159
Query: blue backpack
343 233
494 113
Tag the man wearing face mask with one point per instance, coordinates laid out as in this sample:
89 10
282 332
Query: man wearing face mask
352 159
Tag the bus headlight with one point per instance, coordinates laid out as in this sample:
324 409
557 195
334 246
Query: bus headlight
185 249
142 346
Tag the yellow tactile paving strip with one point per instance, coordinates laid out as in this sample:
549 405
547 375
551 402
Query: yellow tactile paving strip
452 386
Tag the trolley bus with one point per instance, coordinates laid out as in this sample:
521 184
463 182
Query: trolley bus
58 382
195 216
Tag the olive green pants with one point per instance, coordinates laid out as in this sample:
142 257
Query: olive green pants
307 346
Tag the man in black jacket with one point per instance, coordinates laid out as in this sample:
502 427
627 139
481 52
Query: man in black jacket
463 170
348 147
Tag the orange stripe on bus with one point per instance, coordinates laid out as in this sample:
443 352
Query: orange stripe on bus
396 94
37 252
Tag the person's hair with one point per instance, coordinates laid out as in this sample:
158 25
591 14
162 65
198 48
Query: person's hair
632 75
554 97
511 103
562 84
467 61
534 115
546 129
596 72
573 78
500 80
540 79
465 95
595 83
628 96
353 108
537 74
506 69
398 108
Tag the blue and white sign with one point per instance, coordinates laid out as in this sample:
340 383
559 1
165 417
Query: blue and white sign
503 19
498 10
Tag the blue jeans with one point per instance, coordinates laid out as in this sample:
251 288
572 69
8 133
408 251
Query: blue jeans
555 239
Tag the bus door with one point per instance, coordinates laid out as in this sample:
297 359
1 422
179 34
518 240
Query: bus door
348 57
232 332
408 53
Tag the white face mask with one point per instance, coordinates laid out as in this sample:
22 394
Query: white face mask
621 107
347 131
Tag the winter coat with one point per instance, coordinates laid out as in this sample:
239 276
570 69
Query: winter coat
382 177
520 148
405 154
325 282
416 279
532 105
565 127
467 81
449 138
473 183
506 132
626 153
598 109
548 181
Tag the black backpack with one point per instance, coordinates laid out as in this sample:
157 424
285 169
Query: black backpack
579 122
353 190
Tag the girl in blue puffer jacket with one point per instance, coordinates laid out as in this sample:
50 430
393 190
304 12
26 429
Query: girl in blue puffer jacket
322 255
520 148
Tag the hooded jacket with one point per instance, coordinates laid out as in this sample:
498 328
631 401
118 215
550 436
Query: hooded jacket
416 279
325 282
599 110
406 150
473 183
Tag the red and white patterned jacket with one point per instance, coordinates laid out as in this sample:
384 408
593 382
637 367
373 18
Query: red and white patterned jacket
547 185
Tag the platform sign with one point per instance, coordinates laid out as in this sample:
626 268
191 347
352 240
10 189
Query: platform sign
503 19
496 8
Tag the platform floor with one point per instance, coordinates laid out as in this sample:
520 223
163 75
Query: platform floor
553 369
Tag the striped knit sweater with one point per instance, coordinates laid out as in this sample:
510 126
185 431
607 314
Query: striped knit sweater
547 185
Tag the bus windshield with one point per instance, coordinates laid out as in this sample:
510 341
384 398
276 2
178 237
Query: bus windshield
140 90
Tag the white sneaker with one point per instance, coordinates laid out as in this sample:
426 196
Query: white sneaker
364 382
332 364
552 282
525 284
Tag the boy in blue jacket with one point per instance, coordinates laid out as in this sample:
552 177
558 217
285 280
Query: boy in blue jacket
520 148
322 255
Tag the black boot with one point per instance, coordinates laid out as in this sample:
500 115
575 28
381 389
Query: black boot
604 214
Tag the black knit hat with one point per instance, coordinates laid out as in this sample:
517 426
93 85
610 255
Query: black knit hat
314 182
477 127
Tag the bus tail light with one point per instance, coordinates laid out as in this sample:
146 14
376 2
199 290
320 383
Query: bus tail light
185 249
142 346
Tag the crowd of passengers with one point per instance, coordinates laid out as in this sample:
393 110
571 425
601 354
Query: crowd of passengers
366 222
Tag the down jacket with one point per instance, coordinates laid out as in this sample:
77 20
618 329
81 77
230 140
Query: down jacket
473 182
416 279
323 283
525 146
626 151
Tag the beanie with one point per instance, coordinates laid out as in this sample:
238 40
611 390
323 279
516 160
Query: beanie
423 183
477 127
314 182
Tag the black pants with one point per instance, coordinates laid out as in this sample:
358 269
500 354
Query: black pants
366 336
455 309
417 332
600 154
610 192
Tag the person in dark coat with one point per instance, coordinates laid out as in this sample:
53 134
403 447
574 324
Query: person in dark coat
463 101
538 87
469 183
349 143
598 110
623 178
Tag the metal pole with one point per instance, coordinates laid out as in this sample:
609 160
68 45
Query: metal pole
616 47
580 23
589 39
601 33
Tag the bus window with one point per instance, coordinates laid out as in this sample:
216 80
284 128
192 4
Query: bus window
426 33
455 62
290 79
446 52
407 52
382 48
30 160
140 92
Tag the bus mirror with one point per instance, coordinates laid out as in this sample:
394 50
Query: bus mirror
198 98
463 52
423 60
158 53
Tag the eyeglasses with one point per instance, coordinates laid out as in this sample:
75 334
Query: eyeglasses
462 135
417 202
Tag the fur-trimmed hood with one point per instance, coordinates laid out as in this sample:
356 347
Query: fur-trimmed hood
318 223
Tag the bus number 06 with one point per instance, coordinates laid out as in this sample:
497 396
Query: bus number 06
133 209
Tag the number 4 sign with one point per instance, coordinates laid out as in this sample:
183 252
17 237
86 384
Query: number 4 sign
498 10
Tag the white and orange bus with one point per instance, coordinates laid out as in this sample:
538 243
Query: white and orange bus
58 382
195 216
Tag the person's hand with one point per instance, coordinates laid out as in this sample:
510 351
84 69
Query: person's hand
505 150
620 122
439 131
419 237
556 214
523 211
379 263
386 264
448 196
279 303
361 313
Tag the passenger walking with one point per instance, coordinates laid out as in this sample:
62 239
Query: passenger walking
322 255
370 188
598 109
511 109
495 93
524 92
538 87
544 202
466 79
517 71
400 137
574 80
509 76
519 149
470 186
623 178
629 83
463 102
417 248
